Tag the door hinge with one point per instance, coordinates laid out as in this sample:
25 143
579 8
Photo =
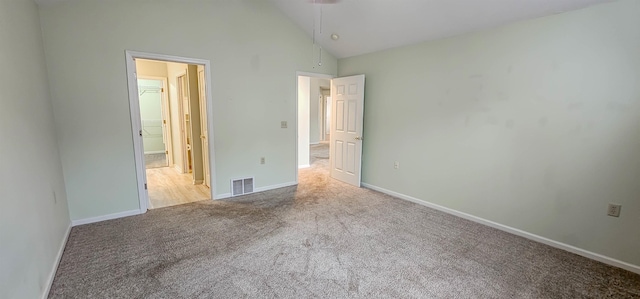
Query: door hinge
166 152
140 132
145 186
162 89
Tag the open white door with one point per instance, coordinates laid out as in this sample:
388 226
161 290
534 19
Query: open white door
203 125
347 109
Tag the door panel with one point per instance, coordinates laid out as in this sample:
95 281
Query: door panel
203 125
352 118
183 95
347 96
351 158
338 158
339 116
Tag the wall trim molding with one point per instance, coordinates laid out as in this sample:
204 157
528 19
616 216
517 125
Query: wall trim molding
106 217
566 247
52 274
222 196
304 166
276 186
259 189
154 152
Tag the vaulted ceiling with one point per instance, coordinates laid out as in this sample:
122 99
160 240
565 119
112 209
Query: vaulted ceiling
366 26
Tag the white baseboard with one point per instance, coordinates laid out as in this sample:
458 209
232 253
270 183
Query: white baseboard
259 189
154 152
222 196
277 186
178 168
515 231
52 274
106 217
304 166
198 182
314 143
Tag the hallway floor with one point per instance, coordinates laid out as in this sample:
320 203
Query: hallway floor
168 187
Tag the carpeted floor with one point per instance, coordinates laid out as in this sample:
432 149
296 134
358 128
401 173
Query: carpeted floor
318 153
322 239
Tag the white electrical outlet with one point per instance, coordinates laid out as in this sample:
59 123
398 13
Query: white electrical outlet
396 165
262 160
614 210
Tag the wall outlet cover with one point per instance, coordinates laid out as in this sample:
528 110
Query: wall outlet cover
614 210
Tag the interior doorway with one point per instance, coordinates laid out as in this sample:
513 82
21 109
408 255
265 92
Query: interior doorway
172 127
155 123
313 142
330 126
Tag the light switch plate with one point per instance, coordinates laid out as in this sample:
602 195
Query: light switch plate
283 124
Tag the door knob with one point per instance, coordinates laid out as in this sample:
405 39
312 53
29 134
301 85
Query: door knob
358 138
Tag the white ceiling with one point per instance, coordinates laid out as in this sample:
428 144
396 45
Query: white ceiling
367 26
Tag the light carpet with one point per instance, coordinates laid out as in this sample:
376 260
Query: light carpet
321 239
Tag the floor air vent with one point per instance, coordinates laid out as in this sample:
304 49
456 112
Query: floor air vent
241 186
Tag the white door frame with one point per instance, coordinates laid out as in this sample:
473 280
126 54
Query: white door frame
165 110
134 106
323 116
312 75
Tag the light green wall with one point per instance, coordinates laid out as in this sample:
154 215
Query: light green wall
33 221
534 125
255 52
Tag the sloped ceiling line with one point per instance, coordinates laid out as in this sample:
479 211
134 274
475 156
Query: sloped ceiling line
375 25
